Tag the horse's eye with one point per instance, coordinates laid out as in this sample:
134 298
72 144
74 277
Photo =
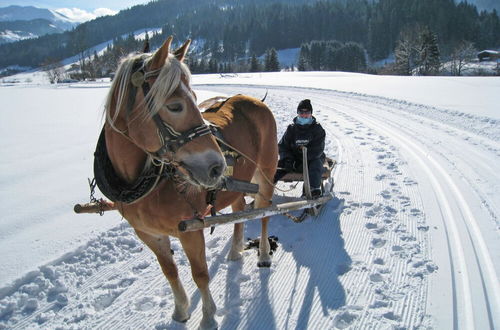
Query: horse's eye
175 107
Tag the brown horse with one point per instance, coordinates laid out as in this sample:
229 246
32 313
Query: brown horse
152 119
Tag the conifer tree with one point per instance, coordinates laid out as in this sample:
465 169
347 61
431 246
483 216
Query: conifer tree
406 51
271 61
429 62
212 65
254 64
303 64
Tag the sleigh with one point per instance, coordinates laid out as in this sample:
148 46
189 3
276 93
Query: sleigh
292 194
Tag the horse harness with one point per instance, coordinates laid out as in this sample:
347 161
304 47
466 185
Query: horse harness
170 139
116 189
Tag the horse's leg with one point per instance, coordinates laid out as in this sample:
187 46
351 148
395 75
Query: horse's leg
160 245
237 245
194 247
264 199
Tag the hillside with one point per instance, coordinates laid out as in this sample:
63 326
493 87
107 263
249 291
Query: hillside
235 29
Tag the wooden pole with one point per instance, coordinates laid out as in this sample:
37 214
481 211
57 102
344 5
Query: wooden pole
95 207
242 216
305 173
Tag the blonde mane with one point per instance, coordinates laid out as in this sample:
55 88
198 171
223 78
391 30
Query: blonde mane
166 82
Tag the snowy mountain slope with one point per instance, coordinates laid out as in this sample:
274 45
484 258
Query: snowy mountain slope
28 13
24 22
409 242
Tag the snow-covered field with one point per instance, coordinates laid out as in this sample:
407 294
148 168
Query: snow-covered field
411 240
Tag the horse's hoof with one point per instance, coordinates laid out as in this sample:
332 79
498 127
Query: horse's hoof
181 319
264 264
208 325
234 256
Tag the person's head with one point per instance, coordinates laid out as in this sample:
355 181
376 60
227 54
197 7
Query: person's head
305 108
304 112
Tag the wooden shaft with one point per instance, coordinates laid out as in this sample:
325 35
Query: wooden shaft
94 207
242 216
305 173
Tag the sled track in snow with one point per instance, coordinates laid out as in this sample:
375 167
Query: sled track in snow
464 314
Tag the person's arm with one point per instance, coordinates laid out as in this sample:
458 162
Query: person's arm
285 144
316 146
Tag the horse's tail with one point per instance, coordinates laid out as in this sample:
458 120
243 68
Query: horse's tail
264 96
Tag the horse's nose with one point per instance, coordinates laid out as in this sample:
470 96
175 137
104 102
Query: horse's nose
216 170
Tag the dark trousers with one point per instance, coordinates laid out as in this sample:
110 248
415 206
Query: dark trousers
314 166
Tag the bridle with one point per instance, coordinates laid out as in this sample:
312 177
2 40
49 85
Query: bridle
170 139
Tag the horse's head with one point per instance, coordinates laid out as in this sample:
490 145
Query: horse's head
152 104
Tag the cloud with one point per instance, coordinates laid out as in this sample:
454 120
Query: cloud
80 15
104 11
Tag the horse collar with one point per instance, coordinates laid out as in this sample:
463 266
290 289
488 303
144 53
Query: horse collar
115 188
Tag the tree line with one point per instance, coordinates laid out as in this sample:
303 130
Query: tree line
235 30
332 56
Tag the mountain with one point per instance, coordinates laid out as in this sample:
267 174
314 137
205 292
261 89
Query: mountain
25 22
28 13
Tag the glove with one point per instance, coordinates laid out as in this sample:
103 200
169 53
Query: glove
288 165
298 167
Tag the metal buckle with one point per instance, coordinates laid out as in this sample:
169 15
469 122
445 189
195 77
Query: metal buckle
137 78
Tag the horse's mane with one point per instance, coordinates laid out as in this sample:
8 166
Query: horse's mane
166 82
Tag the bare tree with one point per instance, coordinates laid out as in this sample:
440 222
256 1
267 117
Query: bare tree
464 53
54 70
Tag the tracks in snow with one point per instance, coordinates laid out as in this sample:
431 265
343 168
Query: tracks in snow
474 279
409 242
444 157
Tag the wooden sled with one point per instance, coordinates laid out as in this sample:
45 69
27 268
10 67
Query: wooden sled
304 191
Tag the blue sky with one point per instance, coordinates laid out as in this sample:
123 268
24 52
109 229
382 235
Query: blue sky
87 5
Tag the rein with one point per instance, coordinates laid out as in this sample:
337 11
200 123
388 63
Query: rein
253 162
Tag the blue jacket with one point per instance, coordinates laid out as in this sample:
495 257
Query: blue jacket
312 136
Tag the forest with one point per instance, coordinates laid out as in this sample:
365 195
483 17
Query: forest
236 30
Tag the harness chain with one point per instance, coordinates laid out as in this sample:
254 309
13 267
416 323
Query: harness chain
93 199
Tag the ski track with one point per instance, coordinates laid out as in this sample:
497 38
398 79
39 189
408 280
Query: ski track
395 257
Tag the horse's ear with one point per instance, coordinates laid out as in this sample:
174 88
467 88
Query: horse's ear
180 53
146 48
161 54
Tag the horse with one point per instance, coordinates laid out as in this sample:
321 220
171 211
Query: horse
152 121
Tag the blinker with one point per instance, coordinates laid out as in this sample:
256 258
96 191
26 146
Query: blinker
137 78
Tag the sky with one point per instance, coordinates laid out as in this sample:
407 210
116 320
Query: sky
80 10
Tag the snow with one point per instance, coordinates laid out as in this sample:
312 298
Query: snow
410 240
11 36
141 34
472 95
